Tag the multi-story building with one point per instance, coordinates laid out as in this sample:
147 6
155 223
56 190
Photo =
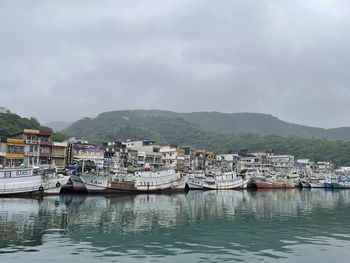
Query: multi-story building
59 153
323 167
202 159
282 163
115 153
14 152
34 148
187 157
147 152
173 156
3 150
227 161
254 162
85 152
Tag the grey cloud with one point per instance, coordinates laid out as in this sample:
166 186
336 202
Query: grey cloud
61 60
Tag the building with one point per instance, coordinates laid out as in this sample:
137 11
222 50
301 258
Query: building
77 153
228 162
147 153
323 168
14 152
282 163
115 153
255 163
32 147
173 156
202 159
305 166
3 150
59 153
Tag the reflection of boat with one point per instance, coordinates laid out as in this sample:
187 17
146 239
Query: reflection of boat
228 180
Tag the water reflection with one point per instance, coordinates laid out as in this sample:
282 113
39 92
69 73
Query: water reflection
211 225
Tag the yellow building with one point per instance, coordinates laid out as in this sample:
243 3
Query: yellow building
15 152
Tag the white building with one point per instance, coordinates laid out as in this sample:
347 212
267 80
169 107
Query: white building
281 163
148 152
172 156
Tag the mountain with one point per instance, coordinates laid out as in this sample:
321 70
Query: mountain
58 125
196 129
226 123
11 123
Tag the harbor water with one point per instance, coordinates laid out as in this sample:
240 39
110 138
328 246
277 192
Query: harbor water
213 226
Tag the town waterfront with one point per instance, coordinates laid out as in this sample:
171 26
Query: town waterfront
309 225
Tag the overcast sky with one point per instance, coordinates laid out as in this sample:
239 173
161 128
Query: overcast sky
63 60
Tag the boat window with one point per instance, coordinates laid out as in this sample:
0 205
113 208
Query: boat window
8 174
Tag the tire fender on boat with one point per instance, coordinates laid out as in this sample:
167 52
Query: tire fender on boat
41 188
58 184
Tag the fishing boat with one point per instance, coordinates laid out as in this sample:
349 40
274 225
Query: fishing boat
29 180
305 184
78 184
342 182
167 180
269 183
195 181
228 180
52 182
317 183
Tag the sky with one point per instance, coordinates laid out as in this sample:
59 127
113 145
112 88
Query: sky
64 60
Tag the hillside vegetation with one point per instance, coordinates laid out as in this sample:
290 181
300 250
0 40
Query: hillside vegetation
11 123
170 127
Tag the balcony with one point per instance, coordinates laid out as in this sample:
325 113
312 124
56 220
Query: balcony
32 142
46 143
15 155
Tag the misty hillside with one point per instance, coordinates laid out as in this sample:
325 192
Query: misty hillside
11 123
58 125
254 123
176 128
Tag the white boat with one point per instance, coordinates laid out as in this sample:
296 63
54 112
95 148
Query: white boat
19 181
94 183
52 182
228 180
16 181
195 181
141 181
316 183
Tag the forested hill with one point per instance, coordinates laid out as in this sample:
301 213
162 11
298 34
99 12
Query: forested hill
11 123
254 123
174 128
